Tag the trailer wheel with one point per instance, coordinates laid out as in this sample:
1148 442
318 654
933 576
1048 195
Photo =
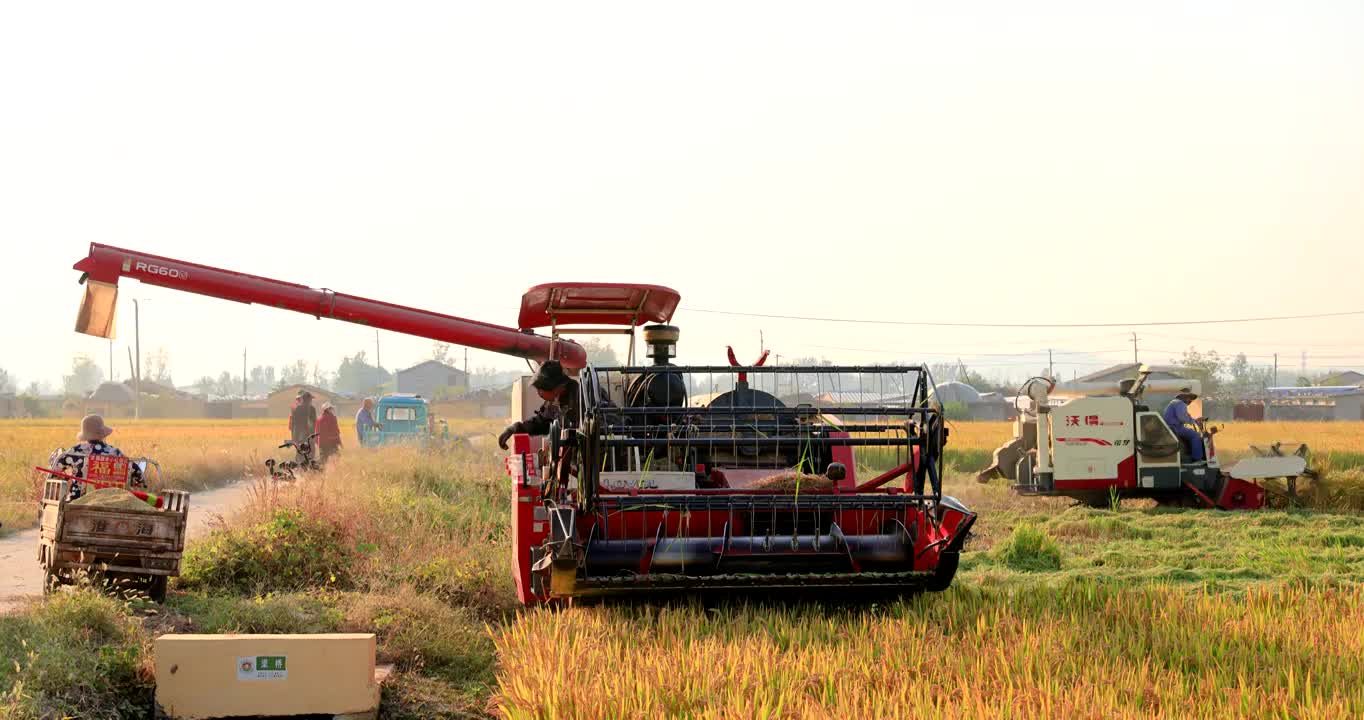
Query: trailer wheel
156 588
50 581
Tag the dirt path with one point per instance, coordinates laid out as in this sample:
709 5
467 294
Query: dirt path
21 578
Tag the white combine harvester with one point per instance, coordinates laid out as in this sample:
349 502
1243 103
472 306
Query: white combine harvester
1097 441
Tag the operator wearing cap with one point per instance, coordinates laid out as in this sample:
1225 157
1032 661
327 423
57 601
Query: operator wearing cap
560 393
1184 425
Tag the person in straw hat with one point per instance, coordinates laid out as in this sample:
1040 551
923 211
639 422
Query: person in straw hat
1184 425
91 440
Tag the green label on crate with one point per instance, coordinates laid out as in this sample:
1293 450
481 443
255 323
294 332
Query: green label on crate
263 667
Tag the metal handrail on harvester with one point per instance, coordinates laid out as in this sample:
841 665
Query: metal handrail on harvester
914 423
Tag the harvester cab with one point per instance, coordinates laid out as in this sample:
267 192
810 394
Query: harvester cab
1095 441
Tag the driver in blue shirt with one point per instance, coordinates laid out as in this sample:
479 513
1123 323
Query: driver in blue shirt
1184 425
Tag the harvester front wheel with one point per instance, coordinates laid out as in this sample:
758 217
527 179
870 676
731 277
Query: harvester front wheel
943 574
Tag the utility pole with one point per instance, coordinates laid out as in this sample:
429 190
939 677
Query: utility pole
137 376
111 360
378 362
243 373
761 347
1276 370
1051 367
1304 363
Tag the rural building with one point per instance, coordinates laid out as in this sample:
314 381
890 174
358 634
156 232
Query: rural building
1124 371
432 379
1341 402
227 409
112 400
10 406
1340 379
482 403
163 401
1154 400
119 399
978 405
1248 411
994 406
954 395
279 402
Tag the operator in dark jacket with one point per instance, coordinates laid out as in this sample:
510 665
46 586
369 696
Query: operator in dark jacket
560 393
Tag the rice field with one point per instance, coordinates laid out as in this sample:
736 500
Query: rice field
1077 651
1128 613
194 454
1057 611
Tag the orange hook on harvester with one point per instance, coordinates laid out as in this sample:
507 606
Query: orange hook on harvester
734 362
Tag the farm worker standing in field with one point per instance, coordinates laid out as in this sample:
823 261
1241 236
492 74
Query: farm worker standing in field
560 393
90 441
364 420
302 417
328 433
1183 424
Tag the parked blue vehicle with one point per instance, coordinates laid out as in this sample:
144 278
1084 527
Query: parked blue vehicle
403 419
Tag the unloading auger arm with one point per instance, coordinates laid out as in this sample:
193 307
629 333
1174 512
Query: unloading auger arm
105 265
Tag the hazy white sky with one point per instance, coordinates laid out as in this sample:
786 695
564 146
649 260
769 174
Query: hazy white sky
980 162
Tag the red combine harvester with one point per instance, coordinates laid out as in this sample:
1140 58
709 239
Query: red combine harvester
671 477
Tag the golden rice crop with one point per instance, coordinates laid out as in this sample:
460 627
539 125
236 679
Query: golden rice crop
193 453
1082 651
978 435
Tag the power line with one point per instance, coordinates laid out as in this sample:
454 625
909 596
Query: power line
1258 342
928 323
1271 355
958 354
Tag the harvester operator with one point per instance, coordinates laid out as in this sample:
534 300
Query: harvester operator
1184 425
560 393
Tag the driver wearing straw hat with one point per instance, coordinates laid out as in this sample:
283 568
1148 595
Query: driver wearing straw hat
1184 425
89 441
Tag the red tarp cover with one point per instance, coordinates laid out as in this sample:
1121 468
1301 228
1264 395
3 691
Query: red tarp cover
596 304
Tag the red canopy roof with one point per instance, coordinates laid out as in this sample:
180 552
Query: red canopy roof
624 304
